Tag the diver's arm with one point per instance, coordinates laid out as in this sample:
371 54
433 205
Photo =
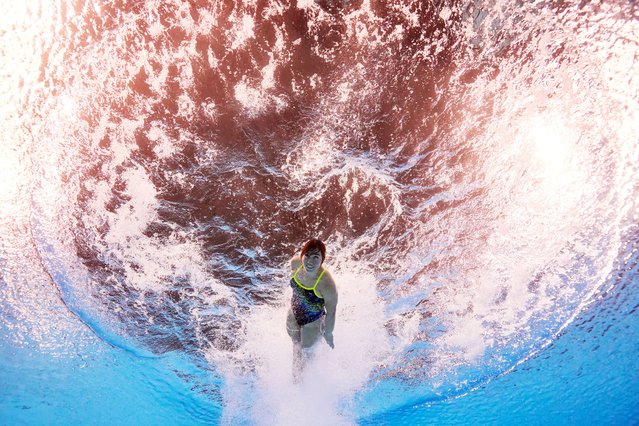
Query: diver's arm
329 294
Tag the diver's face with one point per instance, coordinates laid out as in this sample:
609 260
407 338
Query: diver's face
312 260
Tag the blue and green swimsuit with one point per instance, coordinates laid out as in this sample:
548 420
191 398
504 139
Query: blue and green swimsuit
306 304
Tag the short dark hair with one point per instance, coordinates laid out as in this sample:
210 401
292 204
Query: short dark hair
312 244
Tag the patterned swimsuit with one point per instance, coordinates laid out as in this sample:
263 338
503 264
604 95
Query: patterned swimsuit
306 304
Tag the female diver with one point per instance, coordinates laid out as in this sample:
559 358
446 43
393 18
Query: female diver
314 300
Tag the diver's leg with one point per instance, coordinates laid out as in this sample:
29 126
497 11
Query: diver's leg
292 328
310 333
294 331
299 360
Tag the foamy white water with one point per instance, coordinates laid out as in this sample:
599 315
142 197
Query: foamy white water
472 168
264 387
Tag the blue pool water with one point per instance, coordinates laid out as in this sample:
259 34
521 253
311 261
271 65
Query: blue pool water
588 375
472 167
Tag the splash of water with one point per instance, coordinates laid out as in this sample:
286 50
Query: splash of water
470 165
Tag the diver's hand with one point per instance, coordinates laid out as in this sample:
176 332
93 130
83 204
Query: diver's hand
329 339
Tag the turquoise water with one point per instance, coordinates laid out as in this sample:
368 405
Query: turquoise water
588 375
99 385
471 166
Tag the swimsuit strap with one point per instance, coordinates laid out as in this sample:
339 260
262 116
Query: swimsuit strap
316 282
318 279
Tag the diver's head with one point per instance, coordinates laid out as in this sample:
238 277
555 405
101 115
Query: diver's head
313 254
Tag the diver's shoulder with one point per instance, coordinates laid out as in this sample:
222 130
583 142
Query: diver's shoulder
295 262
327 286
327 277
